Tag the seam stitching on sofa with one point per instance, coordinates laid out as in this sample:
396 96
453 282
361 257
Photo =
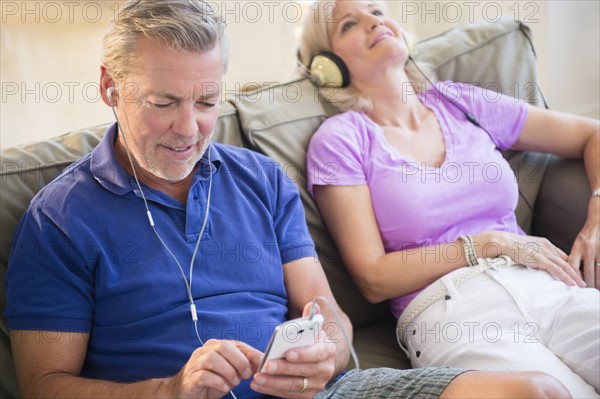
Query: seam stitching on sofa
487 42
275 124
39 167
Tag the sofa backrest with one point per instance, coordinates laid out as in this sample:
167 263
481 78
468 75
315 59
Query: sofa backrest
279 121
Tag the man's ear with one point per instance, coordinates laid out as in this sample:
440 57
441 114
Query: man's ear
106 83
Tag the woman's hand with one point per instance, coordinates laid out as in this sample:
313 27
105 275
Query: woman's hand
533 252
586 247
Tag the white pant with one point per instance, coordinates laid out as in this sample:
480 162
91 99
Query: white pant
509 318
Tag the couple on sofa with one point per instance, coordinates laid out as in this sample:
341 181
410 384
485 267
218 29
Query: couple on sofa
159 323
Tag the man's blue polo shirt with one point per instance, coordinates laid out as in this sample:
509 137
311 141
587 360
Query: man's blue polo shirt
85 259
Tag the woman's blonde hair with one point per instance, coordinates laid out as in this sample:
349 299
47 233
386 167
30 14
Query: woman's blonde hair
181 25
316 38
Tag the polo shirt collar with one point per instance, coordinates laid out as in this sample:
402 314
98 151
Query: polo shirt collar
107 170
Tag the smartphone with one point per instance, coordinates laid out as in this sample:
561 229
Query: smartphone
292 334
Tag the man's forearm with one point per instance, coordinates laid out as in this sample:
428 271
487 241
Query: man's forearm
343 352
63 385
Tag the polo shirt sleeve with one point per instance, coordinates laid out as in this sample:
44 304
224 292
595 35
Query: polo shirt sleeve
335 153
294 240
48 285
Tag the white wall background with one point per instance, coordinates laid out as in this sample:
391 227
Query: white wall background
50 52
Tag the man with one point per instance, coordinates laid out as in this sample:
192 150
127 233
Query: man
166 262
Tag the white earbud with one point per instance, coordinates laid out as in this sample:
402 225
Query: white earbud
110 92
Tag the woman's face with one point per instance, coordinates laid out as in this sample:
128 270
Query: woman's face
365 38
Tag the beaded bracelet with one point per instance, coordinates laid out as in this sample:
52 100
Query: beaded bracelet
469 250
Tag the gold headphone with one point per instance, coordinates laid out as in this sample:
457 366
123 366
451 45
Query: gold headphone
328 70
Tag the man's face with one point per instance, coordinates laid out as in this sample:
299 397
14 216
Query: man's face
168 108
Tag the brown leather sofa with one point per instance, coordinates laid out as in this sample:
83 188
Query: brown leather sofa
279 121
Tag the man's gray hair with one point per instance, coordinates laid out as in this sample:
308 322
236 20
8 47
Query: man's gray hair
181 25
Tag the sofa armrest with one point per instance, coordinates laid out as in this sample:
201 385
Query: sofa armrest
562 203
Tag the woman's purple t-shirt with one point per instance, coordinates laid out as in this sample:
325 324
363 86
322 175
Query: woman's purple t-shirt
415 205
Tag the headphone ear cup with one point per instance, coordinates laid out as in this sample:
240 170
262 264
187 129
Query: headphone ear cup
411 43
328 70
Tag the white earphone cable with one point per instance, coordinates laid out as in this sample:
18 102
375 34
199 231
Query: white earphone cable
188 285
342 329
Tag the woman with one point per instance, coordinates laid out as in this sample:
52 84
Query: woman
404 187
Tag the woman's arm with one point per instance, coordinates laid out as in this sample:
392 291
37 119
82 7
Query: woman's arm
348 213
572 137
561 134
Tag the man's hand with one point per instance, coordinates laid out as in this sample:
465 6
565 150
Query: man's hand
215 369
303 372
